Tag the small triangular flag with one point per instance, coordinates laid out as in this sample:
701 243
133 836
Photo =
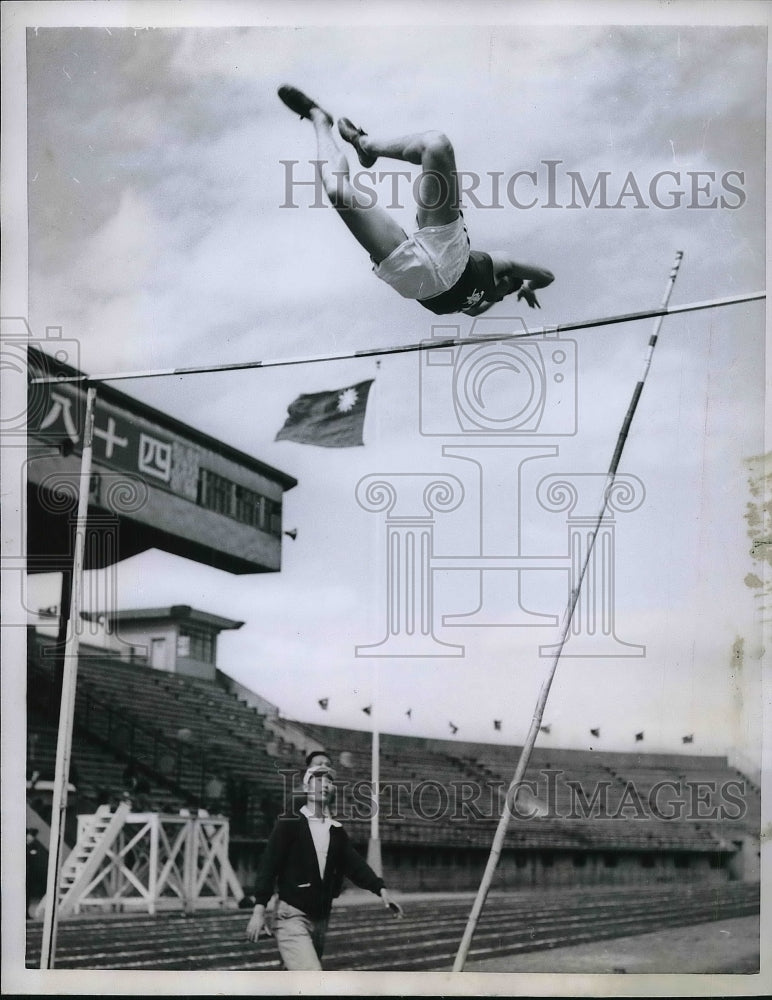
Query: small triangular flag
323 703
595 732
453 729
545 729
688 739
409 713
367 709
497 723
638 737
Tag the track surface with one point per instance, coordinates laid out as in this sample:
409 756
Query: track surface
363 936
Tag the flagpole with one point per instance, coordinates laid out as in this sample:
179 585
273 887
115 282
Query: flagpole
538 715
374 844
374 858
67 709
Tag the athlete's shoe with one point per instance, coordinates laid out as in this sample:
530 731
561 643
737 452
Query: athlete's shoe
300 103
352 134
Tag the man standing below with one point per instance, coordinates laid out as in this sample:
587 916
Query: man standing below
306 859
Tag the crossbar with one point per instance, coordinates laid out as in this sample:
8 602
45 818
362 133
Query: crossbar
424 345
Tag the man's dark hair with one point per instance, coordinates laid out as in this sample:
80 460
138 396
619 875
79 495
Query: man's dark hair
316 753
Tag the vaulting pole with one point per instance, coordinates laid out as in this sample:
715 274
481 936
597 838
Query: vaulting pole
424 345
525 754
67 709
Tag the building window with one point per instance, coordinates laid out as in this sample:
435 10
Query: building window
647 861
223 496
580 860
547 859
610 860
196 643
681 861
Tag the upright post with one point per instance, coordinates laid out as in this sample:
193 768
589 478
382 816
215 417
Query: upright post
522 764
67 709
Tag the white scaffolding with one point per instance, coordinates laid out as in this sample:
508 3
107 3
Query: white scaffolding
147 861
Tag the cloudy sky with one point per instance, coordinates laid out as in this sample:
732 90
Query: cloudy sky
159 235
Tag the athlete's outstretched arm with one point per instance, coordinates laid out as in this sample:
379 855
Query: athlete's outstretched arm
533 277
537 277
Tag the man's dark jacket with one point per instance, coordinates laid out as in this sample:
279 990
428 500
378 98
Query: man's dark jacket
289 863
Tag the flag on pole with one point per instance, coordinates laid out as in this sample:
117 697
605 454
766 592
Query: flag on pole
332 419
367 709
688 739
453 729
409 713
545 729
595 732
323 703
638 737
497 723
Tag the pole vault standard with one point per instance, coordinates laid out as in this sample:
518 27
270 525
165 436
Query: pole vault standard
525 754
67 709
426 345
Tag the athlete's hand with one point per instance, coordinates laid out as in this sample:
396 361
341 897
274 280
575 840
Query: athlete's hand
527 293
391 904
257 925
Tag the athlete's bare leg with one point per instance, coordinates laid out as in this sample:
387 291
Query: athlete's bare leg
375 229
437 196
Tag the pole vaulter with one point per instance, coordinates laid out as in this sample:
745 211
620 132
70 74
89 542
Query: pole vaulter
525 754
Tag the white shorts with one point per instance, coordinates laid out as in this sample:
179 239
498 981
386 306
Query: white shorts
427 263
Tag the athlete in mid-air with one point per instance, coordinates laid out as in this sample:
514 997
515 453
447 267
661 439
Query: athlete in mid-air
434 265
